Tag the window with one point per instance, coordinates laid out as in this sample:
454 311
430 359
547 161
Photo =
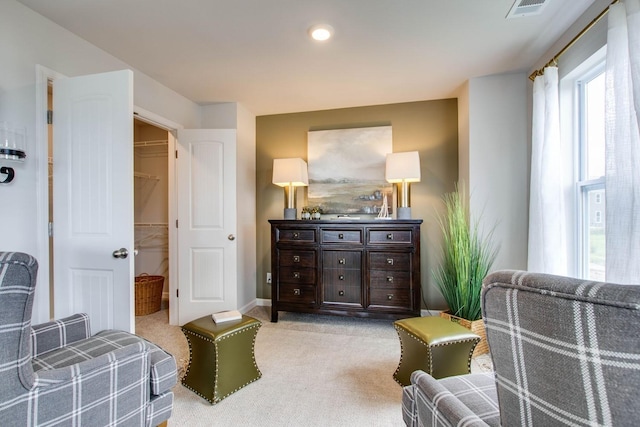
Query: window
590 183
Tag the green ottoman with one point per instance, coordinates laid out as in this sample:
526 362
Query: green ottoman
435 345
221 358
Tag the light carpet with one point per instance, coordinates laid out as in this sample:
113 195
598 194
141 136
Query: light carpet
316 371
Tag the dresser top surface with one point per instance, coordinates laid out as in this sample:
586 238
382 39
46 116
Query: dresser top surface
342 221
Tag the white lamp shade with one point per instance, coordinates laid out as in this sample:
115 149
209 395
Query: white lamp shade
403 167
288 172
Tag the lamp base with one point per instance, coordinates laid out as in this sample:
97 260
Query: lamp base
290 213
403 213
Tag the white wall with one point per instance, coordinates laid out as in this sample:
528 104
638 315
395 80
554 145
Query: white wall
494 161
235 116
26 40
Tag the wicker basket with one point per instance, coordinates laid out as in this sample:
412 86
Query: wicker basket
148 294
476 326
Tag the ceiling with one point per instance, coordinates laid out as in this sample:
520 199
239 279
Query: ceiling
258 53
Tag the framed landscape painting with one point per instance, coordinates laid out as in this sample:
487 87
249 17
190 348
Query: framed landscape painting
346 170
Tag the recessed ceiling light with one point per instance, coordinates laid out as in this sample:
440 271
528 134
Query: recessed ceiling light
321 32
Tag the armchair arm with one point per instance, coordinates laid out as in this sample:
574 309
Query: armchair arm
435 405
59 333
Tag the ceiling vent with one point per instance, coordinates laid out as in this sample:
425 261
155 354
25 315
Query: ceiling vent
522 8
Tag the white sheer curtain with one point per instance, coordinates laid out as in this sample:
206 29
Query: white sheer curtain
623 143
547 239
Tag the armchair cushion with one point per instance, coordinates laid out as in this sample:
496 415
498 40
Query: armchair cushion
163 367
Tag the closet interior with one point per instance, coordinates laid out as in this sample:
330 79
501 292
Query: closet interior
151 203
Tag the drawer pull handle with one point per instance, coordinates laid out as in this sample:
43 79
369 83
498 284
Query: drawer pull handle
390 261
389 279
390 297
340 236
296 258
296 291
390 236
296 235
341 293
341 277
342 261
296 274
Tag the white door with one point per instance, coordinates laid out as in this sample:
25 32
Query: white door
93 199
206 198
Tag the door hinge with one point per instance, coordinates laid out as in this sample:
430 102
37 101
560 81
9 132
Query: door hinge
176 223
176 154
50 229
177 293
49 117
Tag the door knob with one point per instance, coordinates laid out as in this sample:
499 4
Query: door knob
121 253
231 237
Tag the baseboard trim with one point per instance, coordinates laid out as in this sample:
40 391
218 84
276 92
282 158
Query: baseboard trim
258 302
263 302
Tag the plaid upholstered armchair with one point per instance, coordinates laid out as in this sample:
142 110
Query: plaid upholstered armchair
56 374
565 352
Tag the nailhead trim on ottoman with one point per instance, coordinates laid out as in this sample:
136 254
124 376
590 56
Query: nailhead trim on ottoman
435 345
221 357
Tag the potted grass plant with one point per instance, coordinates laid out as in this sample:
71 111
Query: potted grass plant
467 256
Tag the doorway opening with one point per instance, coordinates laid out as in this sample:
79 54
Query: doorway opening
151 205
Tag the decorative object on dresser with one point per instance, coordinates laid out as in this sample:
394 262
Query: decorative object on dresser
289 174
362 268
403 169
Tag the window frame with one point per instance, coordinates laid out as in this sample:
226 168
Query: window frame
583 185
577 68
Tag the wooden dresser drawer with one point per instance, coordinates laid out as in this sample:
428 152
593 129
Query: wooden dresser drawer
341 259
341 277
390 279
341 236
297 275
342 294
296 235
390 236
390 298
390 261
296 258
297 294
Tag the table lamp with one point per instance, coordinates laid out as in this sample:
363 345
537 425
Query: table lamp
290 173
403 169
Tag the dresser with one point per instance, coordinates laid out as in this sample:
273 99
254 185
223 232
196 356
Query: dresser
367 268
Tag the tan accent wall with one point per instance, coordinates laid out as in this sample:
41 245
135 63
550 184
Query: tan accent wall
430 127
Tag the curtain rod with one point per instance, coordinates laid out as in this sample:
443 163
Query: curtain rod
554 60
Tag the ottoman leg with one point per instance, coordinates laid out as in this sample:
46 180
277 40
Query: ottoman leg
414 355
452 358
236 363
200 374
